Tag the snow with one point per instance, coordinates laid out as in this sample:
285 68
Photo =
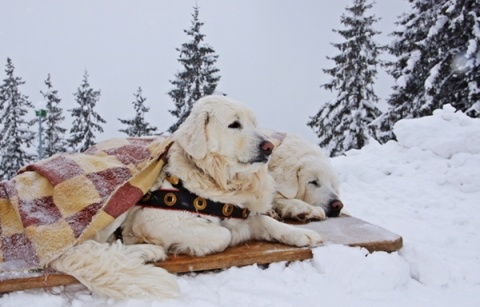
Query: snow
471 49
441 21
444 134
40 105
413 58
429 83
425 187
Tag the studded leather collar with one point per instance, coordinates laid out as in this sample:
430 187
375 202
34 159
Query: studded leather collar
180 198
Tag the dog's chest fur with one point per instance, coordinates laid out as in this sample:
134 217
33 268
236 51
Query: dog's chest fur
251 190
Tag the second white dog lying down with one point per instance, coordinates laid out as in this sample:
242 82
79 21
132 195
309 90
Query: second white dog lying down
307 186
219 155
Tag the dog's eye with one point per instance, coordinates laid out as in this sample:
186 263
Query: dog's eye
235 125
315 183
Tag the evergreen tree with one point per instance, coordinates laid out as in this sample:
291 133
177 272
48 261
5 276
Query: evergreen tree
199 76
53 134
14 127
137 126
343 123
86 121
438 62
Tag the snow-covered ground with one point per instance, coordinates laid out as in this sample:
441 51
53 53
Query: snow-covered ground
425 187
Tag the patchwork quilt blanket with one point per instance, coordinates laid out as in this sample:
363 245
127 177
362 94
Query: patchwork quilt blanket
62 201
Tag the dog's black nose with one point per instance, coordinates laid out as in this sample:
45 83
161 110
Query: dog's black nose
266 147
334 208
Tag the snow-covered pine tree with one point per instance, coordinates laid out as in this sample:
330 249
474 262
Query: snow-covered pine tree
199 75
53 134
138 126
15 134
343 123
412 28
86 121
437 46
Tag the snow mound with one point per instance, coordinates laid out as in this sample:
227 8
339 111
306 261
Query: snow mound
445 133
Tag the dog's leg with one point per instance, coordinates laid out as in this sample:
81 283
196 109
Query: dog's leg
118 272
146 252
178 232
262 227
298 210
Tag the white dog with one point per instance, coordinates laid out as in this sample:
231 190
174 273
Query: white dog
220 158
307 186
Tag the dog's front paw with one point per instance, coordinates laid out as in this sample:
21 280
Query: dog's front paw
303 237
315 214
298 210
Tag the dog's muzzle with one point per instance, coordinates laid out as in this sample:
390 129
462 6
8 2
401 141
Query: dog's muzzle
265 149
334 208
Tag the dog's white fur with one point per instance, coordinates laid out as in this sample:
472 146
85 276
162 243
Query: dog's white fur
306 182
118 271
216 161
217 154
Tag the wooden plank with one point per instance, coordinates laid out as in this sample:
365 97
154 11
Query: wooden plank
344 230
351 231
246 254
35 282
249 253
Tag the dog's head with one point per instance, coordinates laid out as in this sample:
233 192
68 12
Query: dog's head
319 186
220 127
312 179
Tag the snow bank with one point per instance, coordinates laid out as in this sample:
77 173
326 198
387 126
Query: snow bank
445 133
425 187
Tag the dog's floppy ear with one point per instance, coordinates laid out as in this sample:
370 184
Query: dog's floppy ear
287 180
192 135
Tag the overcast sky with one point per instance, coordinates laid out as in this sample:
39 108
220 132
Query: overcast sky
271 52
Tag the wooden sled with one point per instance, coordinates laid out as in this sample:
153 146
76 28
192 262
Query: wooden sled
344 230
